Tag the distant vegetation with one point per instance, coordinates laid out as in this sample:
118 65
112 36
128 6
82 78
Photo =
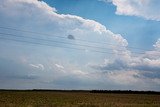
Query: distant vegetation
78 98
125 92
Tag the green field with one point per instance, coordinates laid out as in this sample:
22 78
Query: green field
75 99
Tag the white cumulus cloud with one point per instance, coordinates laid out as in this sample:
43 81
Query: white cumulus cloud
144 67
148 9
37 16
157 45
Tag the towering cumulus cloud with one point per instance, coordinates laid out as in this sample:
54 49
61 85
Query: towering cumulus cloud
59 66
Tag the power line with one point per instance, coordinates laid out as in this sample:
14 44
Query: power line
37 43
49 40
27 31
53 41
62 37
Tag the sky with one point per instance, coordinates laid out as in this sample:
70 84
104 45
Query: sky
80 44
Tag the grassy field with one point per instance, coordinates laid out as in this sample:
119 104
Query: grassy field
75 99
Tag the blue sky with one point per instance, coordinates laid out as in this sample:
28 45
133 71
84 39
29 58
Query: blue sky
116 44
104 13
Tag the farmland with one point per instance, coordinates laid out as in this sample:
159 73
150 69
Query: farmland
76 99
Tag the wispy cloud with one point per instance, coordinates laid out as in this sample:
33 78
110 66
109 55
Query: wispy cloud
38 66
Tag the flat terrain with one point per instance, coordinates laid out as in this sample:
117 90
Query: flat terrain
76 99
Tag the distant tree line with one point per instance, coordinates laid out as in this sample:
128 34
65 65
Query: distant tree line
90 91
124 92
